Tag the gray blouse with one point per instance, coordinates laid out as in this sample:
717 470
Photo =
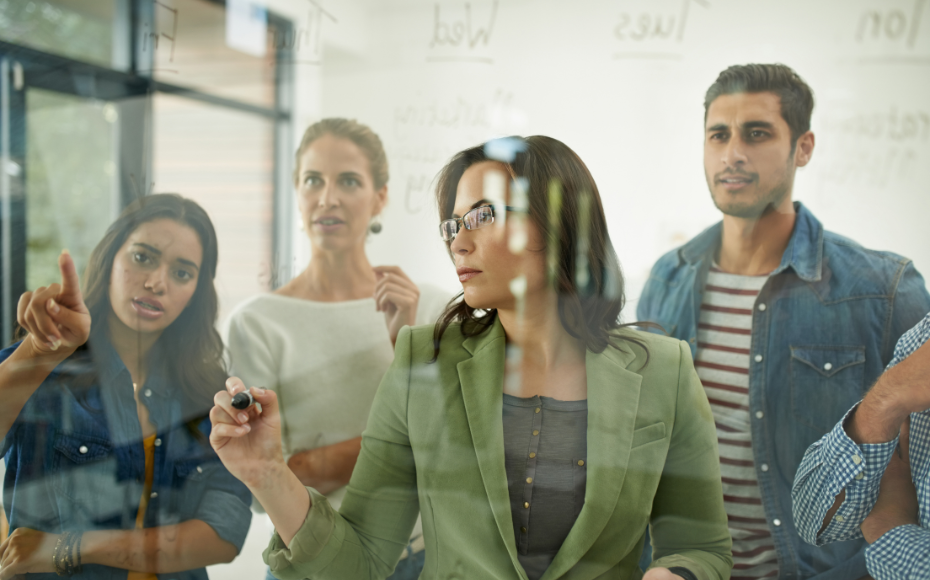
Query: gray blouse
545 452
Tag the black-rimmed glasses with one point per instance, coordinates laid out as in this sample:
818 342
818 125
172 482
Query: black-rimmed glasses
472 220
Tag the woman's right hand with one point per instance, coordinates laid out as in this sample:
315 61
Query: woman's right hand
248 441
56 317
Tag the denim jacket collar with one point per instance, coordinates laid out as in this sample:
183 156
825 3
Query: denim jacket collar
804 252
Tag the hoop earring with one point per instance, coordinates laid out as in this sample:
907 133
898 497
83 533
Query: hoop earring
375 226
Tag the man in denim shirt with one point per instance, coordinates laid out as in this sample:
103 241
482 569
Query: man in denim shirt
788 324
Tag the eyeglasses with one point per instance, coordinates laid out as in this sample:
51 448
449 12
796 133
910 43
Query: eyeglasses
477 218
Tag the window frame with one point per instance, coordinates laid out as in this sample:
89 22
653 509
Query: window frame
22 68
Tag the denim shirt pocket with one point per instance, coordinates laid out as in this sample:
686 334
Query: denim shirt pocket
190 482
826 381
84 475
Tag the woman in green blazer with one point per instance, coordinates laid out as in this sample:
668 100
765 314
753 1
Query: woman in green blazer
537 435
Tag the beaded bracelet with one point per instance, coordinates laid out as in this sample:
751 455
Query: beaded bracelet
56 556
63 557
69 554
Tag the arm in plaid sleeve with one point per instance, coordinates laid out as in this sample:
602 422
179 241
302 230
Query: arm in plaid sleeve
832 464
902 553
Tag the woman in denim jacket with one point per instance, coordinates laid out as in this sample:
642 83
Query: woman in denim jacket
109 468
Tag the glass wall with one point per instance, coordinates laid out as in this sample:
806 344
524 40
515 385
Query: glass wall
504 288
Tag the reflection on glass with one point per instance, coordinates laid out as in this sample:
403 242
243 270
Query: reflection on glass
222 159
79 29
190 49
70 175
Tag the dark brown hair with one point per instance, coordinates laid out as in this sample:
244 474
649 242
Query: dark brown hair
190 349
797 98
589 312
362 135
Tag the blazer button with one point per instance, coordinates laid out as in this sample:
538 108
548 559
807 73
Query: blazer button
523 529
529 480
581 462
535 432
532 454
526 504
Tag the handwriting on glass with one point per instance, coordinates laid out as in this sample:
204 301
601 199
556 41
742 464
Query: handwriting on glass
461 35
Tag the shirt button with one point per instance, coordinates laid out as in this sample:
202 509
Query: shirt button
761 307
532 454
537 409
758 358
581 462
827 366
526 504
860 475
764 467
856 459
154 495
776 522
840 519
148 392
535 432
759 414
82 449
529 480
158 443
523 529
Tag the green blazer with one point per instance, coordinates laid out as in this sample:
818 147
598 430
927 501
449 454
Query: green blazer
434 446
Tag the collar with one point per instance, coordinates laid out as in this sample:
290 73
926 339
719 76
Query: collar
804 253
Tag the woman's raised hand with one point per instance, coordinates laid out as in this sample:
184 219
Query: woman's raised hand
56 317
397 297
248 441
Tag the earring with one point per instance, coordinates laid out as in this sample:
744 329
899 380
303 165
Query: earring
375 226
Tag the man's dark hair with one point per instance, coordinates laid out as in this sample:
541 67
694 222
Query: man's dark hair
797 99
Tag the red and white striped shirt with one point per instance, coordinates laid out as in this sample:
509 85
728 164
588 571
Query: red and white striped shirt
722 362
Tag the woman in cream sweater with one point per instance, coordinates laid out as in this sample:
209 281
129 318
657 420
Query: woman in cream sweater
323 341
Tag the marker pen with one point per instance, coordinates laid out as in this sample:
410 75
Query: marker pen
243 400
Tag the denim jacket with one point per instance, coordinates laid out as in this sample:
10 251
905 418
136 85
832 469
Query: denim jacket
75 458
824 327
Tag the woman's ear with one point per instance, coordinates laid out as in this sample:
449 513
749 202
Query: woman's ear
381 199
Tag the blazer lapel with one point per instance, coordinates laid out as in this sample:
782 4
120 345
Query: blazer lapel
613 399
481 378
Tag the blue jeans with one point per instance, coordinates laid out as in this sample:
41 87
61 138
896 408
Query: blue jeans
407 569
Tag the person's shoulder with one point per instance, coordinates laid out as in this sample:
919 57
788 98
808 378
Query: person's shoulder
867 270
266 310
835 244
421 342
658 346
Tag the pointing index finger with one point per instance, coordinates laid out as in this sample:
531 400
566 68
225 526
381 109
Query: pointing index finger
70 282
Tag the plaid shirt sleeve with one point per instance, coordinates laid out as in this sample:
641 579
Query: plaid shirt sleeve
830 465
835 463
903 553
